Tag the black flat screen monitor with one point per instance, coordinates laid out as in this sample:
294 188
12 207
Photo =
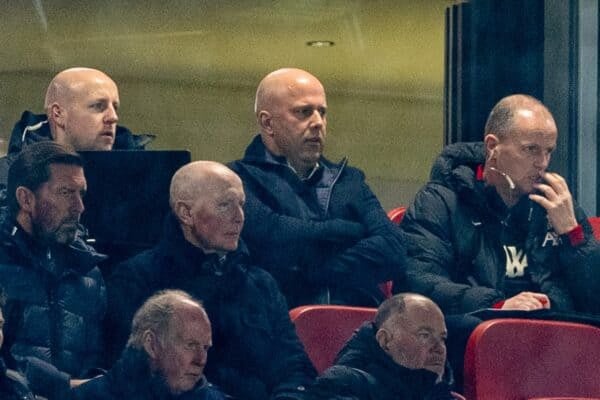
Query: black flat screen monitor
128 195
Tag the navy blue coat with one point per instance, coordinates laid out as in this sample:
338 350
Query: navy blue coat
327 234
256 353
56 301
130 379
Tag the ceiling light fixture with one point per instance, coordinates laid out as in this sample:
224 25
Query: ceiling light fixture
320 43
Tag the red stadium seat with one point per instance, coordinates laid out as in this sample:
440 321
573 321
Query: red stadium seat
323 329
395 215
595 222
532 359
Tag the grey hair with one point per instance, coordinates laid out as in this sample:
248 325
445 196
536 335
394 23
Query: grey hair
155 315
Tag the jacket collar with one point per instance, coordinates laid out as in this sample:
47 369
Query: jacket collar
176 246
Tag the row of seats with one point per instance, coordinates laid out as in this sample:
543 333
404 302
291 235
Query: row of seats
505 359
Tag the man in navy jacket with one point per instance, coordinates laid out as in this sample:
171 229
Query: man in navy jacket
315 225
55 294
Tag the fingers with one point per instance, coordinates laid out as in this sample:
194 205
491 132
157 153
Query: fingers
554 196
527 301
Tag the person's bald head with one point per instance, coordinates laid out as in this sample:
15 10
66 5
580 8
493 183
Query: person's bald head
208 198
291 110
412 331
280 84
505 115
81 105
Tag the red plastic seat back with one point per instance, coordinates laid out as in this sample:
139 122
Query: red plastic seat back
324 329
395 215
525 359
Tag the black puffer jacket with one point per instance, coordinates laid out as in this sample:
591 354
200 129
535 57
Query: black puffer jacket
256 353
326 232
130 379
363 371
33 128
56 301
457 232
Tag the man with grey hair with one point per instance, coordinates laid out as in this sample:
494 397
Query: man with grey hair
165 355
400 355
256 353
81 107
494 228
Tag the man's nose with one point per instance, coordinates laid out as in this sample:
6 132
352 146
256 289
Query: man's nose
439 346
238 216
317 119
543 161
77 204
111 114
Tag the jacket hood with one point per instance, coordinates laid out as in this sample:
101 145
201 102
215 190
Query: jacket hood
33 128
456 165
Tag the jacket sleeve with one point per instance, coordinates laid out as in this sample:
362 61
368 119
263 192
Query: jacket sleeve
44 378
432 260
281 229
580 264
291 371
379 255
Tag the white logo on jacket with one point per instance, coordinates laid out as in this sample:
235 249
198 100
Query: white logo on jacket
516 261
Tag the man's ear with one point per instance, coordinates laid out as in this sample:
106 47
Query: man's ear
25 198
151 344
57 114
265 120
491 141
183 212
383 337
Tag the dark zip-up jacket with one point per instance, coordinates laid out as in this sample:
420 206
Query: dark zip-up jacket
363 371
56 300
457 231
324 235
256 353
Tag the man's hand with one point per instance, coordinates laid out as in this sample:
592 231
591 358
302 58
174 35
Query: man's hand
76 382
557 201
458 396
527 301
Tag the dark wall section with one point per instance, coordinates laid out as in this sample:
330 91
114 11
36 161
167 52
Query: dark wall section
493 49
